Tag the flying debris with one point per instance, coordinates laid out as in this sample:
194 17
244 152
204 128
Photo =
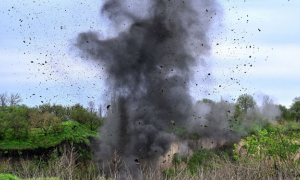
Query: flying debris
149 67
173 122
137 162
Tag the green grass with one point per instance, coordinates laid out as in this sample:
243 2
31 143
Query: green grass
8 177
12 177
67 131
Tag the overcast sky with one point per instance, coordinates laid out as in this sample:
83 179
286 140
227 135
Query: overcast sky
38 61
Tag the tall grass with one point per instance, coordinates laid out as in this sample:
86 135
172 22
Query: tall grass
65 167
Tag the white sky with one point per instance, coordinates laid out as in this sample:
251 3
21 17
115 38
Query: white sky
42 31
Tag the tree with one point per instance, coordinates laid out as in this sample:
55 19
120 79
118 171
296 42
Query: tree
295 111
95 121
285 114
83 116
296 99
19 125
44 121
246 102
15 99
55 110
208 101
80 115
45 108
3 99
3 121
14 122
59 111
237 111
267 100
91 106
77 106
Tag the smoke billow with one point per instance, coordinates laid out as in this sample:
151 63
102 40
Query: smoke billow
149 68
219 124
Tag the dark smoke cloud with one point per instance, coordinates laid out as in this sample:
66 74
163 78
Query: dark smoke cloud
149 68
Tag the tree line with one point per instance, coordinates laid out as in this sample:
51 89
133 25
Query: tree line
16 120
292 113
246 102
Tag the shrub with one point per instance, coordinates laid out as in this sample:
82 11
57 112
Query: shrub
8 177
274 142
201 158
14 122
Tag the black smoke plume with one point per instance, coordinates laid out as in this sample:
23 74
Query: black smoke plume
149 68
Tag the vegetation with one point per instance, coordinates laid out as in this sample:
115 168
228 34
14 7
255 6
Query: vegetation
200 159
8 177
67 131
278 143
269 150
246 102
295 111
46 126
272 153
12 100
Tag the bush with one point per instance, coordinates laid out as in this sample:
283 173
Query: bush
69 131
246 102
277 143
14 122
201 158
8 177
285 114
295 111
83 116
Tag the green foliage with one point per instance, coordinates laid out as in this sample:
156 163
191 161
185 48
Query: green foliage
8 177
23 128
236 155
80 115
274 142
83 116
169 173
68 131
201 158
59 111
177 130
194 136
176 160
42 127
295 111
12 177
52 178
237 112
14 122
285 113
236 121
246 102
56 110
45 121
45 108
